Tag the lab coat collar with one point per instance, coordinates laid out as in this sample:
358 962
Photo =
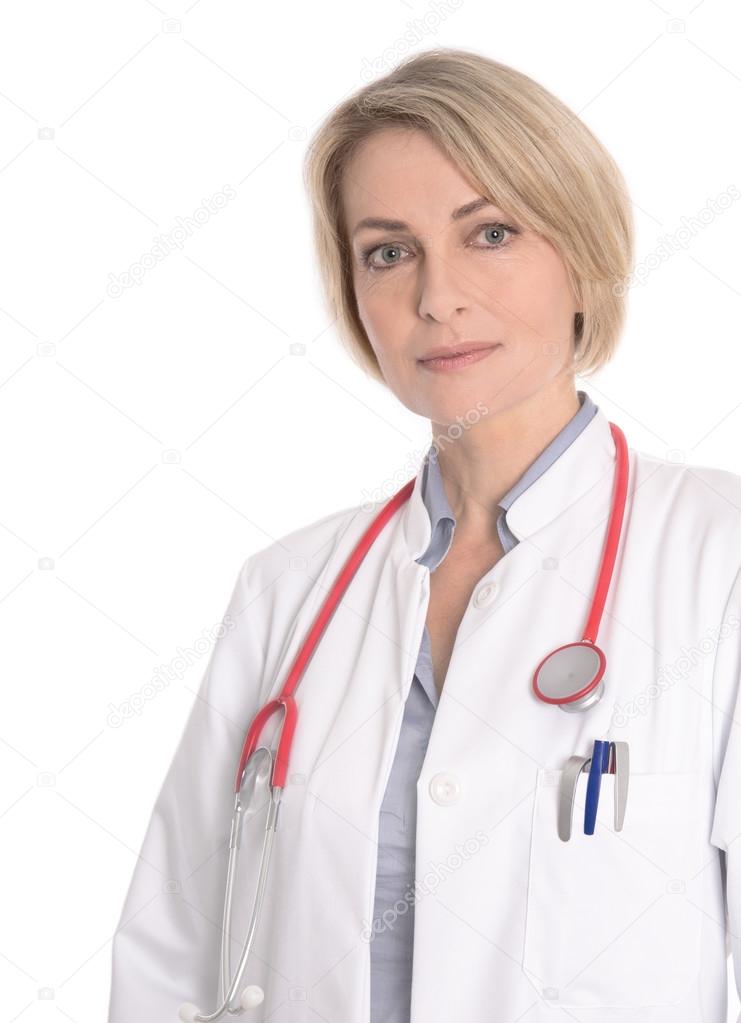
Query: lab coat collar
587 460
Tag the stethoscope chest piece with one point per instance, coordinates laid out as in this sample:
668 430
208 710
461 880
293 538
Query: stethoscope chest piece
571 677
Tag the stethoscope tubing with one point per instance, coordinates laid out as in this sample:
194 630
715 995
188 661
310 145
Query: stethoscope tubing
612 539
285 700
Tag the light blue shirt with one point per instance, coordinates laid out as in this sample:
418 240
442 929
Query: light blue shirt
393 932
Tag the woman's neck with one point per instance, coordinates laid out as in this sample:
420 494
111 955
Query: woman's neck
484 463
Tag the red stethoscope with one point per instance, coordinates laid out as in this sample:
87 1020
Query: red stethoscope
571 677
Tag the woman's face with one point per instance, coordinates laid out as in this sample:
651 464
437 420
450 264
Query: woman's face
437 277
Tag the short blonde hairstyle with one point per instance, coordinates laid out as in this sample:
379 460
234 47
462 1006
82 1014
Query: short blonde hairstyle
528 153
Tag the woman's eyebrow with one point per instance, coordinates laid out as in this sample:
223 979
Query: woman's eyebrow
383 224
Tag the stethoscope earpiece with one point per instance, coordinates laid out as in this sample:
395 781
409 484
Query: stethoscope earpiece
252 996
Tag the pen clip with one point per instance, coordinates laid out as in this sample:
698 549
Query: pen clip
567 793
613 758
619 760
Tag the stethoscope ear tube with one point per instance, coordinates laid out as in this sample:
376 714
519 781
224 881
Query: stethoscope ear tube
229 990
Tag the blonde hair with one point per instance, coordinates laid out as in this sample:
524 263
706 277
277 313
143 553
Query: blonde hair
524 148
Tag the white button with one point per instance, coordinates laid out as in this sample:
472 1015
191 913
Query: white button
486 594
445 788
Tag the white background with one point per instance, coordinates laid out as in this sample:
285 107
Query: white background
153 439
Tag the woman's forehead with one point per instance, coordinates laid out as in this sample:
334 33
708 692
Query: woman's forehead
405 180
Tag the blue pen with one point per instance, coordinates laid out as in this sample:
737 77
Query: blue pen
600 763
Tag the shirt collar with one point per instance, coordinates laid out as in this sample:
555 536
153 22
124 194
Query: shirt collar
430 490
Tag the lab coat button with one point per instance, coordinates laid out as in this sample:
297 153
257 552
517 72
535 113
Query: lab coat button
485 594
445 789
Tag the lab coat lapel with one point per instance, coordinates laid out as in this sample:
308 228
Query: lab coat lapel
588 462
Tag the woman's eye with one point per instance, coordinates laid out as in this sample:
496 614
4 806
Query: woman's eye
394 250
390 254
499 230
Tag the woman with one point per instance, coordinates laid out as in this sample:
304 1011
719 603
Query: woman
419 869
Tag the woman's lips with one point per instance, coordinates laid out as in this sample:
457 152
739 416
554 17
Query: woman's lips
455 362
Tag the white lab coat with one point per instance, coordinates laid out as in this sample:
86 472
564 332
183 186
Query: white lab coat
510 922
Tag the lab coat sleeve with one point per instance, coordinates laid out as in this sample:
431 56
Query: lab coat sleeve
166 948
726 711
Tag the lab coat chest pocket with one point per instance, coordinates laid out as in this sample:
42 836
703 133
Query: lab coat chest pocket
609 923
